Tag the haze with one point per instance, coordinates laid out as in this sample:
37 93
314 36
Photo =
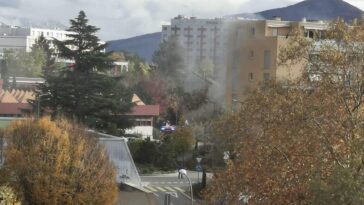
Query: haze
120 19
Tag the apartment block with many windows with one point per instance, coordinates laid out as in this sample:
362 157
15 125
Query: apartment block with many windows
202 39
254 54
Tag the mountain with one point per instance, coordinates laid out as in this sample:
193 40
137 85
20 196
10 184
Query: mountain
312 10
144 45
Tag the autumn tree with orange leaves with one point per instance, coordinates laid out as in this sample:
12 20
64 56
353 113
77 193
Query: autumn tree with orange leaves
58 163
300 142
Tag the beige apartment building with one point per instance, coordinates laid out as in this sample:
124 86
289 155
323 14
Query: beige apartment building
254 54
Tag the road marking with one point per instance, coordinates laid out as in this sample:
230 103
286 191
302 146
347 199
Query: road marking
179 189
151 189
169 189
161 189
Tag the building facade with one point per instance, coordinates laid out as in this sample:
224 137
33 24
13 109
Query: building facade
202 39
144 118
13 37
254 54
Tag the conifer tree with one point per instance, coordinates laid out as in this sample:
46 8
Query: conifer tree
83 90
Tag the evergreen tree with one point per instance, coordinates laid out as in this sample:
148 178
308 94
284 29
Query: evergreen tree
83 91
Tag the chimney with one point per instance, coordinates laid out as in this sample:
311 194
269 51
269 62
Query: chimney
277 18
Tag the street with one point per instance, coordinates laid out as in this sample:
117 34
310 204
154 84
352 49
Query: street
162 184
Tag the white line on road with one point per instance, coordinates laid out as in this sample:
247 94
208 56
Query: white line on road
161 189
179 189
169 189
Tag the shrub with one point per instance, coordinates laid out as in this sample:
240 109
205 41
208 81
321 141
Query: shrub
7 196
58 163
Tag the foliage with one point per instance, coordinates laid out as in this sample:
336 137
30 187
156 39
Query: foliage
83 91
169 59
143 151
22 63
183 140
167 158
5 74
205 68
162 155
42 45
58 163
116 56
300 142
7 196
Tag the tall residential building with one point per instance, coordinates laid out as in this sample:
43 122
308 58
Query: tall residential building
244 52
12 37
202 39
254 54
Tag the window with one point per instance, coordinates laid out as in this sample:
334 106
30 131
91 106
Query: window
275 32
266 59
266 77
251 76
251 53
142 123
252 30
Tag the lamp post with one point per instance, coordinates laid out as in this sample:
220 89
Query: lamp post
184 172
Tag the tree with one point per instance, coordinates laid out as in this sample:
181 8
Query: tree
21 63
205 68
169 59
5 74
83 91
300 142
183 141
166 159
57 162
42 45
8 197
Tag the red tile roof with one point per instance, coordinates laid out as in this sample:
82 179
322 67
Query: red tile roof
145 110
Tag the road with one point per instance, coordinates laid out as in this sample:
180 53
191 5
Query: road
162 184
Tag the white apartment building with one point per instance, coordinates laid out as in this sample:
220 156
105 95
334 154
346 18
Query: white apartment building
202 39
12 37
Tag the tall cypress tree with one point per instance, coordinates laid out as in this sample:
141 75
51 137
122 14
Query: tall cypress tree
83 91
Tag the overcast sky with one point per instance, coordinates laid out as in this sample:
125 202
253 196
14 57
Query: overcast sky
120 19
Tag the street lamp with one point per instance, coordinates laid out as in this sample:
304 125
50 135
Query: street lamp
184 172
